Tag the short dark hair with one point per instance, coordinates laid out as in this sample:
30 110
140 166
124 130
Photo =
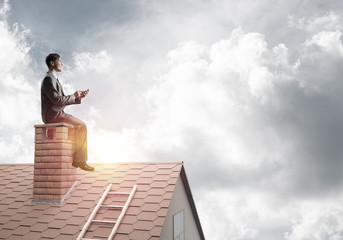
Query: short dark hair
51 57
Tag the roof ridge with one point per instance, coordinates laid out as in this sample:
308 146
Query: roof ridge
154 162
13 164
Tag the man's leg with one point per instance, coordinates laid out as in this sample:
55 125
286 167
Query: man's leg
80 156
80 137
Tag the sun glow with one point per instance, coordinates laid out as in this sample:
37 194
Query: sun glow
110 146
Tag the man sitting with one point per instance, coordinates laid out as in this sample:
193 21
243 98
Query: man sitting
53 102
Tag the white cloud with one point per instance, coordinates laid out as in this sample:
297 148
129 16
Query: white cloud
316 220
88 62
4 8
329 42
208 109
214 90
330 21
249 113
19 96
233 213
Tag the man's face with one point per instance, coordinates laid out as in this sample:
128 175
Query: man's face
57 65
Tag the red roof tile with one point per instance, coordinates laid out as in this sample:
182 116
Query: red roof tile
11 225
5 233
65 215
156 231
51 233
140 234
39 227
76 221
143 220
64 237
18 217
125 228
33 235
57 224
102 232
144 225
70 230
148 216
21 230
150 207
28 222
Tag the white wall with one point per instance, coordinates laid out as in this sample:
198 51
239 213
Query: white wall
180 202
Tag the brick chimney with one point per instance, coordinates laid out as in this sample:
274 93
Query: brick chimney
54 175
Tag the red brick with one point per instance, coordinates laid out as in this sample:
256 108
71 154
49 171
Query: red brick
55 171
38 131
38 146
39 159
39 165
62 129
68 159
42 197
61 135
41 152
54 145
59 165
58 152
57 191
39 178
48 197
40 191
71 178
60 178
38 137
62 184
42 146
54 178
58 197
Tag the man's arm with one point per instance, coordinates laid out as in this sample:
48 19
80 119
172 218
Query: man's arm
50 89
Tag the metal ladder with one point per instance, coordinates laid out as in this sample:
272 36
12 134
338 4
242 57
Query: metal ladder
100 204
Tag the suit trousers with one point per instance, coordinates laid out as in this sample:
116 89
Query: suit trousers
80 128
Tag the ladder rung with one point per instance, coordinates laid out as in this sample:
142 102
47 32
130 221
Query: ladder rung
120 193
111 206
100 204
103 221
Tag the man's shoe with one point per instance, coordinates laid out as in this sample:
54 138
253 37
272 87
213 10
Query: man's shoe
83 165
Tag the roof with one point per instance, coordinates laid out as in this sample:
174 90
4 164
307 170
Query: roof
143 220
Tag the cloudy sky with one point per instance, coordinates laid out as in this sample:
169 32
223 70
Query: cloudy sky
247 93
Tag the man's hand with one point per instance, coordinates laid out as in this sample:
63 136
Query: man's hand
84 93
81 94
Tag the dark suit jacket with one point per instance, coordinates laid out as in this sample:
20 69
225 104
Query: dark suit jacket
53 99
